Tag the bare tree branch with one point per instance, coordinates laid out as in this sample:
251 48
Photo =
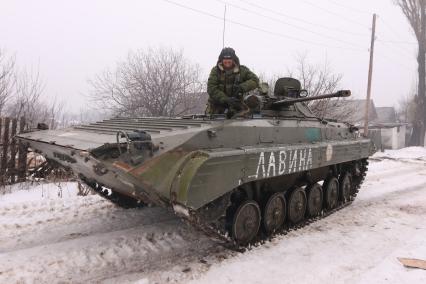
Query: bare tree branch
7 79
411 10
318 80
155 82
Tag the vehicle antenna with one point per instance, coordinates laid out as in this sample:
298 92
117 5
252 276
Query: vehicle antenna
224 27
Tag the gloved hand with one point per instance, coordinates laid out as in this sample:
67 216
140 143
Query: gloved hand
234 103
237 91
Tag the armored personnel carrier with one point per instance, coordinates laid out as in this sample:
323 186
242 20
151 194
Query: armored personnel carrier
271 167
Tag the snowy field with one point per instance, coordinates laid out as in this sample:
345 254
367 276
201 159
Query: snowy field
51 235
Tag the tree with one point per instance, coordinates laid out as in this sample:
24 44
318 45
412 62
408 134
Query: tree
407 105
26 102
318 79
21 95
153 82
7 79
414 11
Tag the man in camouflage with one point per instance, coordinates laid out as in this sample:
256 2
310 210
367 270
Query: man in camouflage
228 82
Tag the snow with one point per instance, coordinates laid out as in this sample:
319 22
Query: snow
27 192
53 235
46 236
412 153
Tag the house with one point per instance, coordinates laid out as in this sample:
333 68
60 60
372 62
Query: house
383 120
352 111
393 132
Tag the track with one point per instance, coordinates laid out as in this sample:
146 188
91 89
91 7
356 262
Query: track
87 239
358 244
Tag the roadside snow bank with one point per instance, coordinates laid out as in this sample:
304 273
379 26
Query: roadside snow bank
412 153
25 192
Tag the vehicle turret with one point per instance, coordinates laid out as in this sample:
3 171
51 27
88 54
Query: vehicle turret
287 92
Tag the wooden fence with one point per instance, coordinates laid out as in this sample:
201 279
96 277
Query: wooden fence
13 155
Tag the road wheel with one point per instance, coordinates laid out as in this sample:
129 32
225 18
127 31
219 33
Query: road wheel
314 196
345 183
274 213
296 205
331 193
246 222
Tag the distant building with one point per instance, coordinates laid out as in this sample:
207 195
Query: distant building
381 119
352 111
392 131
386 115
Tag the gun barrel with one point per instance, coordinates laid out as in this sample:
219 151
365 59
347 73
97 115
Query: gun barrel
286 102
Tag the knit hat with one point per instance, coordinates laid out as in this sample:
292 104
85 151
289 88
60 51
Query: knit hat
228 53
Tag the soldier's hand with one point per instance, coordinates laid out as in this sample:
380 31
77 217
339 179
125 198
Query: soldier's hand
233 102
237 91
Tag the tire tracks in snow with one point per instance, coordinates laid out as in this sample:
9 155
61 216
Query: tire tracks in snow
100 256
57 229
90 240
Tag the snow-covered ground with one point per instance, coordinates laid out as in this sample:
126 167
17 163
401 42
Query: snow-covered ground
52 235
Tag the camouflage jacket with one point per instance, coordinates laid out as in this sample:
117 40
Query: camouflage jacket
220 84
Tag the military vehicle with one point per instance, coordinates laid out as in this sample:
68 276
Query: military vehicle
269 168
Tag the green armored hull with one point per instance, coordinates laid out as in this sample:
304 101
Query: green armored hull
246 177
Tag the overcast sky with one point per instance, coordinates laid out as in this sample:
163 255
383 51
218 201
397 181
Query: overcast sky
71 41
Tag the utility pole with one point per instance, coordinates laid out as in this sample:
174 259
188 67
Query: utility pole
370 75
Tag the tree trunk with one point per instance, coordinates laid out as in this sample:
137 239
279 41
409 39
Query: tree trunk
422 75
420 120
418 134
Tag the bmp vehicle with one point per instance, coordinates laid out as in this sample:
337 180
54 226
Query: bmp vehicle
271 167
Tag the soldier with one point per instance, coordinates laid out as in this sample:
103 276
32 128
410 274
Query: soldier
228 82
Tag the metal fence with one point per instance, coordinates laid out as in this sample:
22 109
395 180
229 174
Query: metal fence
13 155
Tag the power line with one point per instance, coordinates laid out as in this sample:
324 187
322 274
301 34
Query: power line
399 42
390 28
393 58
397 45
397 35
335 14
350 8
394 61
402 49
389 47
288 24
317 25
402 52
257 28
